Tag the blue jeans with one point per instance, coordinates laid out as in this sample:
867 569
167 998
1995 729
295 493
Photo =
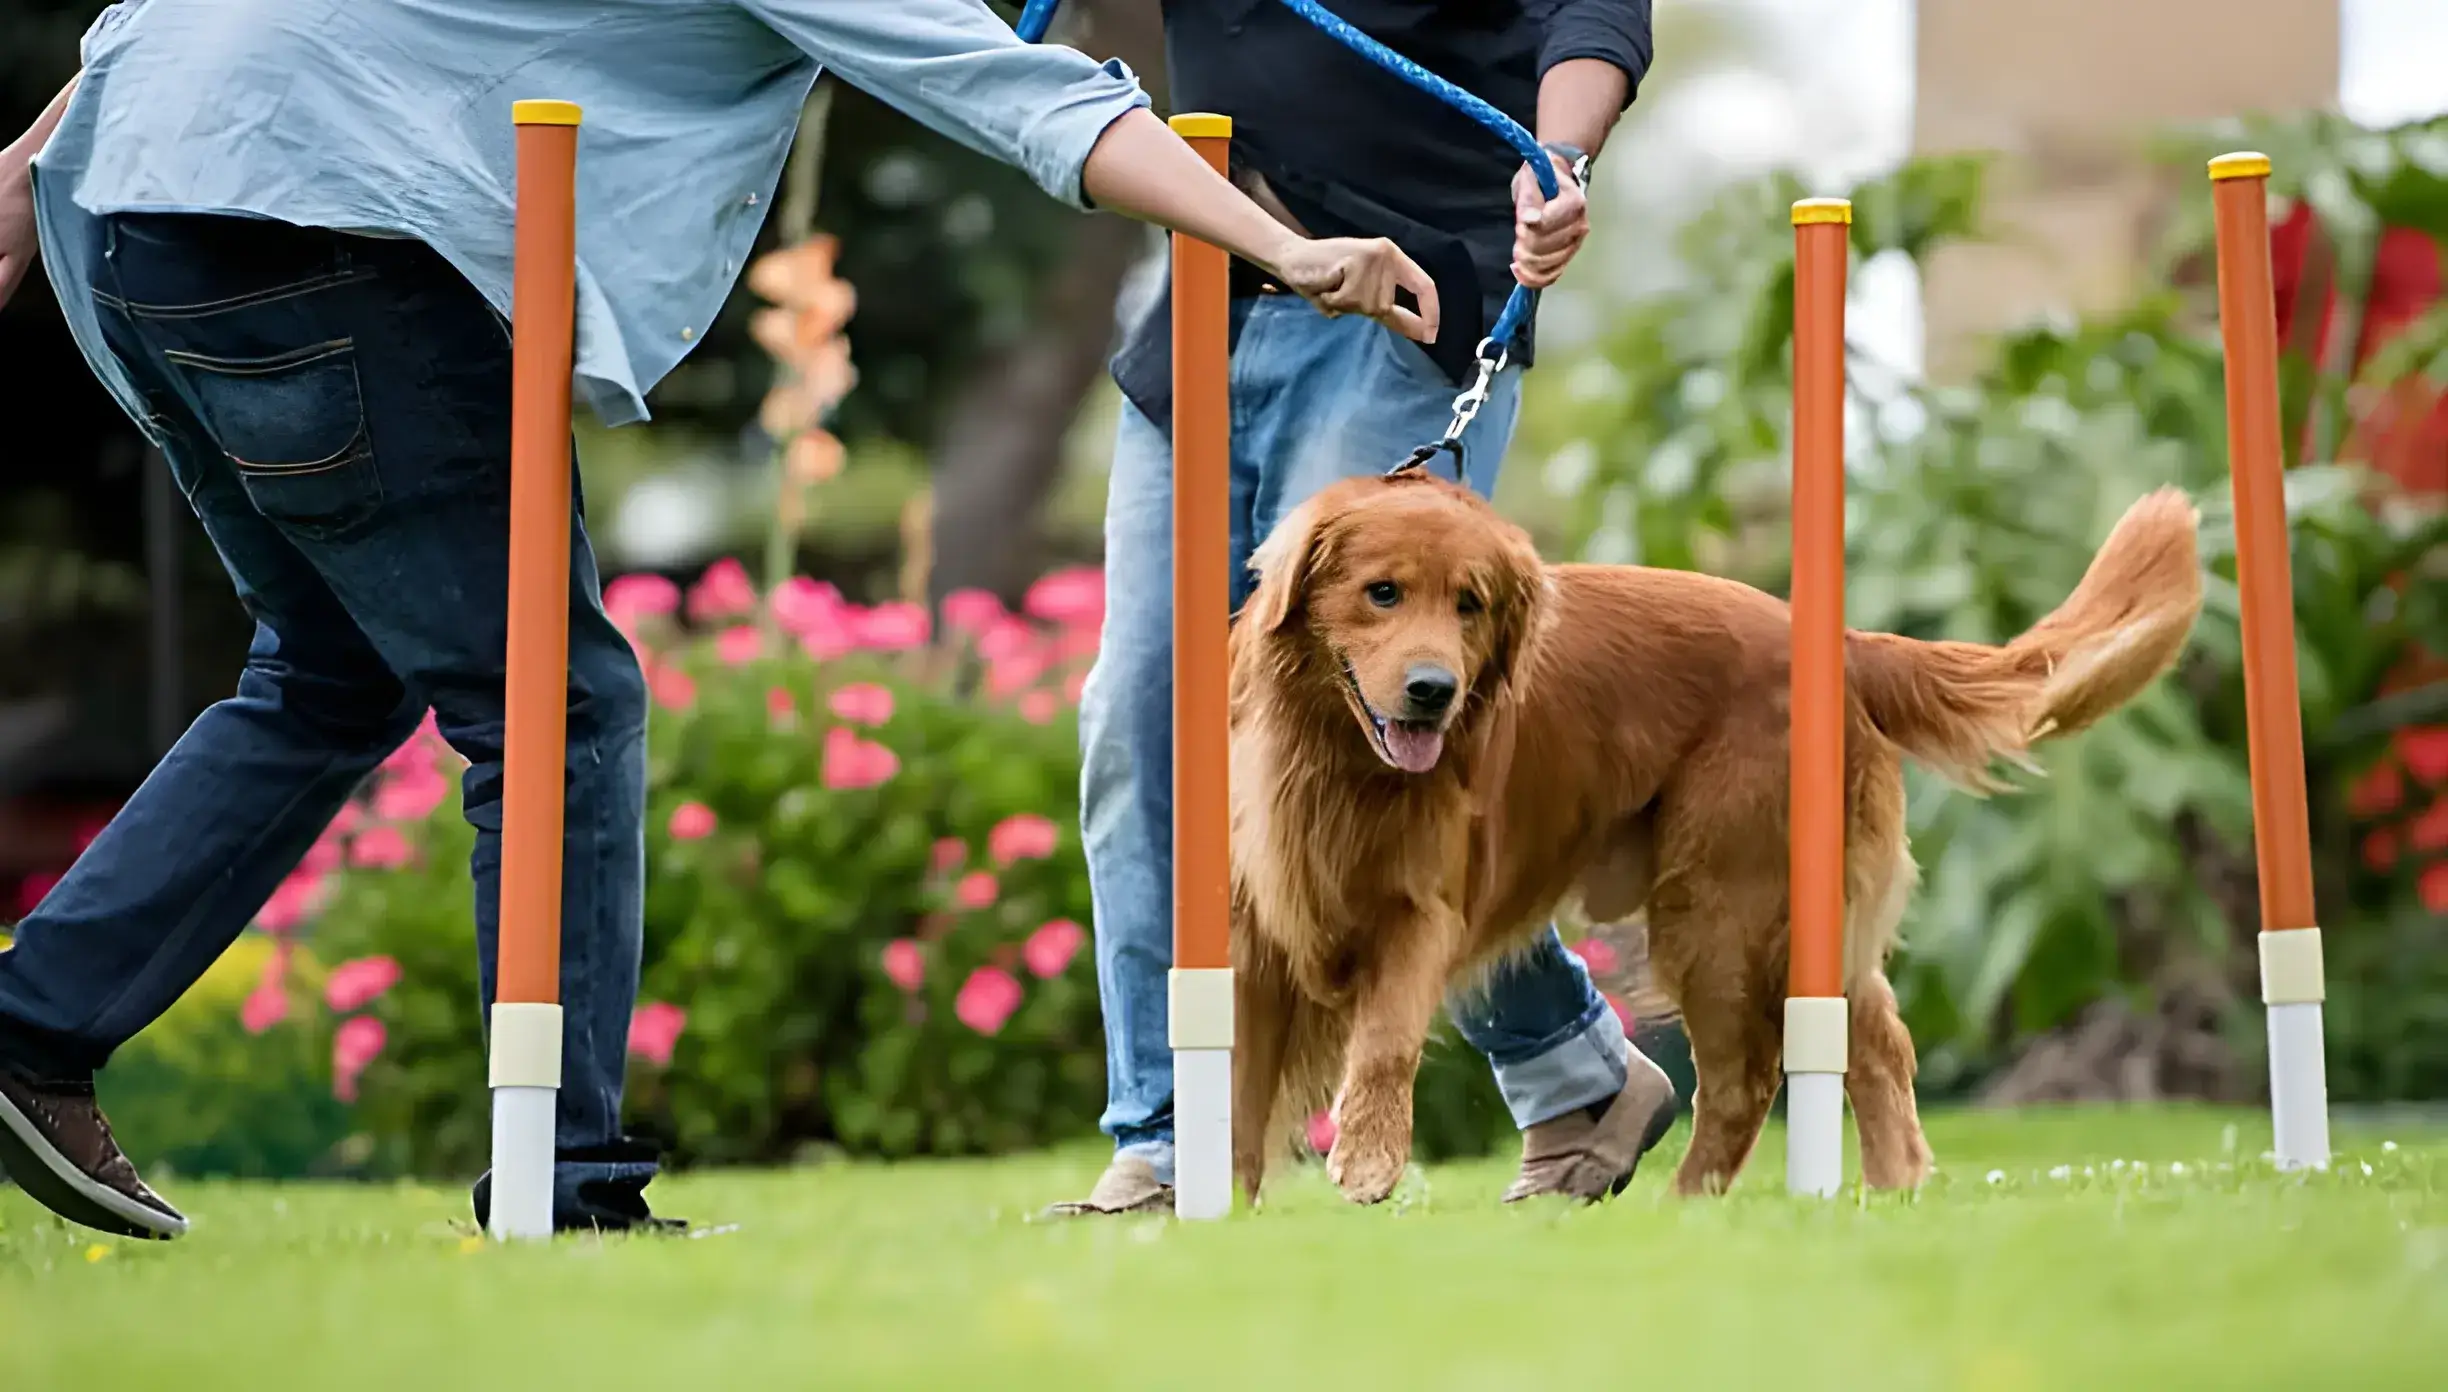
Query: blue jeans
337 412
1313 400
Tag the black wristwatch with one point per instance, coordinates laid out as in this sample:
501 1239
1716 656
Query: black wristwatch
1574 157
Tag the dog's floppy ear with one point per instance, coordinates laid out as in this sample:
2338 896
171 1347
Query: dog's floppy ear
1284 563
1518 598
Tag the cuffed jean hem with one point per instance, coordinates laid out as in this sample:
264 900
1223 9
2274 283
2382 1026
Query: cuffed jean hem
1587 1066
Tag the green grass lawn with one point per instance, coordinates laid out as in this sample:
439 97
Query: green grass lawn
2053 1250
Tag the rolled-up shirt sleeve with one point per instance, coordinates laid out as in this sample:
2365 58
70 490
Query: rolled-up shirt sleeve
956 68
1615 30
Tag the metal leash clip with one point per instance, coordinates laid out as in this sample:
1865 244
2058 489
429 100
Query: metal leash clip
1491 357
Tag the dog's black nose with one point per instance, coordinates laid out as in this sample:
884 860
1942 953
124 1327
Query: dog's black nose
1429 690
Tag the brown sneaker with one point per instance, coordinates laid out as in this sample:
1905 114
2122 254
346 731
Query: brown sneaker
55 1143
1591 1154
1129 1185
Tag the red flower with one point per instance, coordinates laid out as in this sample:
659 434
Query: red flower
1623 1013
692 821
987 999
1021 836
862 703
1051 948
2429 832
1598 956
905 963
2379 790
2380 850
654 1031
976 890
31 889
354 985
2426 752
2432 885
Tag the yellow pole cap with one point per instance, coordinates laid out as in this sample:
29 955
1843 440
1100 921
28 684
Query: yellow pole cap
1194 125
1810 210
2243 164
544 113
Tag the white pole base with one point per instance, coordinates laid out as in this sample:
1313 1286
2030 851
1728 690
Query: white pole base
2299 1086
1814 1134
523 1162
1202 1133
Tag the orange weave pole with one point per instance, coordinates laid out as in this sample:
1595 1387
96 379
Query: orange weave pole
1202 573
1822 228
2248 320
543 303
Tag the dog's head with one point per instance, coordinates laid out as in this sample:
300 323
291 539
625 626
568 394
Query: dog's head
1412 595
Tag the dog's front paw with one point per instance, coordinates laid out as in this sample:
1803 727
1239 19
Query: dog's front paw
1365 1170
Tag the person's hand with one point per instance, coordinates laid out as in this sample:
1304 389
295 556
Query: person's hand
1546 232
18 245
1359 275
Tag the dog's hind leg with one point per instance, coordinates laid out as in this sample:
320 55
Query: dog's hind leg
1879 1083
1265 1008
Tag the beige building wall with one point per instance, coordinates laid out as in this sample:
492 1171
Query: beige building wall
2065 89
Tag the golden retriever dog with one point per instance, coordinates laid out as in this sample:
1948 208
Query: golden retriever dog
1437 740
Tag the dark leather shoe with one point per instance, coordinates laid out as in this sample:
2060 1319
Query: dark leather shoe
55 1142
1591 1154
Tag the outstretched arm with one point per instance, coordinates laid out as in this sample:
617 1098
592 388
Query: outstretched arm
18 245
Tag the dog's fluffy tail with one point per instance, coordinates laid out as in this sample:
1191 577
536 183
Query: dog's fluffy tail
1961 707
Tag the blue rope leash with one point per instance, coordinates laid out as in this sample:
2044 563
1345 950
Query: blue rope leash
1493 351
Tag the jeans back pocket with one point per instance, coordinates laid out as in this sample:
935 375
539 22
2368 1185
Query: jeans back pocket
293 426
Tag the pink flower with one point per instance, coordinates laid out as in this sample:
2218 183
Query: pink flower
654 1031
416 752
1051 947
829 636
976 890
852 763
1014 674
1598 956
1007 639
1623 1012
1074 687
692 821
1069 597
88 832
631 598
948 854
905 963
354 985
894 626
350 817
800 603
1021 836
295 901
971 611
267 1005
739 645
410 795
1321 1132
1075 643
1039 707
357 1042
671 688
328 853
723 592
987 999
781 707
380 848
862 703
31 889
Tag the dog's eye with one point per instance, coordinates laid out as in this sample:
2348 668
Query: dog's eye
1385 594
1469 603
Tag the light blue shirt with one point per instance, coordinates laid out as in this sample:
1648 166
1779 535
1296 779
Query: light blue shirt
392 117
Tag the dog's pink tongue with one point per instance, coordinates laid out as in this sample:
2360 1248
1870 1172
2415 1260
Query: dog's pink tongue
1414 747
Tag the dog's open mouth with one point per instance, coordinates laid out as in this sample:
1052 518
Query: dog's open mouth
1409 745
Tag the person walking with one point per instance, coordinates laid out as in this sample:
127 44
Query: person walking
282 238
1330 143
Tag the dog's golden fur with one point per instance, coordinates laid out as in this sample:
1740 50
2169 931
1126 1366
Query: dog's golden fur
1621 735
